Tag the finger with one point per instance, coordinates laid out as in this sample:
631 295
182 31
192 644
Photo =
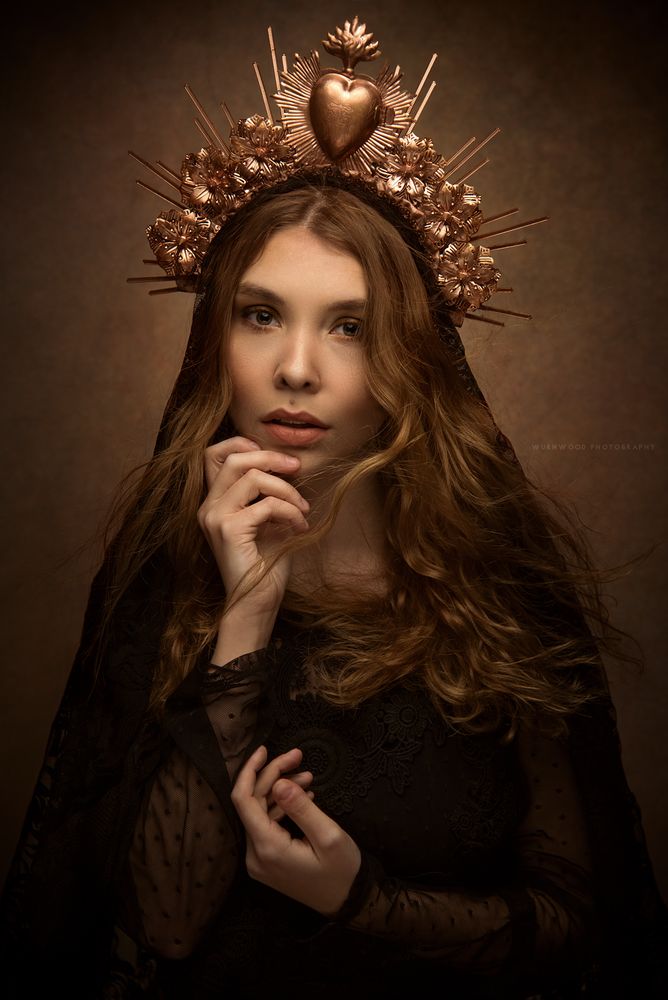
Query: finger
265 783
276 813
251 812
236 464
319 829
251 486
216 455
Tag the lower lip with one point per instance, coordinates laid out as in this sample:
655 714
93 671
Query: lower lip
295 435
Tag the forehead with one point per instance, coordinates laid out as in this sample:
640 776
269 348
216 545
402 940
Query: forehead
297 262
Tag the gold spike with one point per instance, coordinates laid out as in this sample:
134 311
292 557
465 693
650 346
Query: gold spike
210 125
459 152
272 49
501 215
210 141
414 121
157 173
423 80
504 246
510 229
503 290
473 152
169 170
284 62
157 263
228 114
165 197
480 319
160 277
263 92
163 291
474 170
508 312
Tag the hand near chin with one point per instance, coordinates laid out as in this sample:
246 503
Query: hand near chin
318 870
248 511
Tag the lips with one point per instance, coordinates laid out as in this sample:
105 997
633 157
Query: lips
302 417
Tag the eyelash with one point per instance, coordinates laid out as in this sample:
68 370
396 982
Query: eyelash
254 310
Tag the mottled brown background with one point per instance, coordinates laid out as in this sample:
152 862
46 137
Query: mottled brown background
89 359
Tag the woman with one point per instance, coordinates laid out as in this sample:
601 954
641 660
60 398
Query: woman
336 723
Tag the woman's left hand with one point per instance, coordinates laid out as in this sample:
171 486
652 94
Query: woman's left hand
318 870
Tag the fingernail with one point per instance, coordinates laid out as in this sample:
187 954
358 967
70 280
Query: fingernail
291 460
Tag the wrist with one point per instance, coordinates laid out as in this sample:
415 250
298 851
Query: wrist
241 632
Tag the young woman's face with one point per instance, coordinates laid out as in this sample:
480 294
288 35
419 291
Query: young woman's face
294 345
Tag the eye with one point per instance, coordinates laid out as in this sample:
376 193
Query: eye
262 317
351 328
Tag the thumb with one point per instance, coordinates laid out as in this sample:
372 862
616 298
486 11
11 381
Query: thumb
297 804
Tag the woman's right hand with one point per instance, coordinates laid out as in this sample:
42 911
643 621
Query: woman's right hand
241 532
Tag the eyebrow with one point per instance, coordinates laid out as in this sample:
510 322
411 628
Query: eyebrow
259 292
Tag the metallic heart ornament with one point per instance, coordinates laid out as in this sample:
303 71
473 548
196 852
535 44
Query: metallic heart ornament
344 111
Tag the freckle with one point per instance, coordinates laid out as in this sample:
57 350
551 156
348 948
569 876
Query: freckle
165 915
168 812
197 833
199 781
178 941
210 806
231 715
177 836
559 791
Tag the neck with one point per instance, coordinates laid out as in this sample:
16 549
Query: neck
355 547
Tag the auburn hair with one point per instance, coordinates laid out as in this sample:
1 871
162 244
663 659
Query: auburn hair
492 593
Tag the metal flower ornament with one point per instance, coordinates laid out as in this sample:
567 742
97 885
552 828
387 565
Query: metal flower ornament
336 119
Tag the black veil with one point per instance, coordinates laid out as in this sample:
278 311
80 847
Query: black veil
58 906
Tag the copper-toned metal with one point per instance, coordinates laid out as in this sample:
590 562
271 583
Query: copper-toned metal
362 127
148 277
424 78
228 114
165 197
474 170
499 215
512 229
508 312
419 111
475 150
505 246
209 123
263 92
462 149
153 169
272 49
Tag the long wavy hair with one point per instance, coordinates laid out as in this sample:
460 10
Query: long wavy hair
492 594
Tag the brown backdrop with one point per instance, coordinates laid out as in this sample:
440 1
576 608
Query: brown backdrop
89 359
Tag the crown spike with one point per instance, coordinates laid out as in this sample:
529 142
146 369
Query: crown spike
416 118
148 277
500 215
272 49
505 246
475 150
165 197
284 62
507 312
208 138
263 92
169 170
462 149
423 80
228 114
151 261
163 291
510 229
479 319
210 125
474 170
167 180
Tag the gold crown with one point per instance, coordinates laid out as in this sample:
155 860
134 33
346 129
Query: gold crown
363 128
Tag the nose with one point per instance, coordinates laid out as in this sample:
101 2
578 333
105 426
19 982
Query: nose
298 358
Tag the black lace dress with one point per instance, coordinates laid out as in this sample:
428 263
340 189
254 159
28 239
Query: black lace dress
488 870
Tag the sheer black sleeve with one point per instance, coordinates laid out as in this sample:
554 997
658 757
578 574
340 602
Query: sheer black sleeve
542 916
186 847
